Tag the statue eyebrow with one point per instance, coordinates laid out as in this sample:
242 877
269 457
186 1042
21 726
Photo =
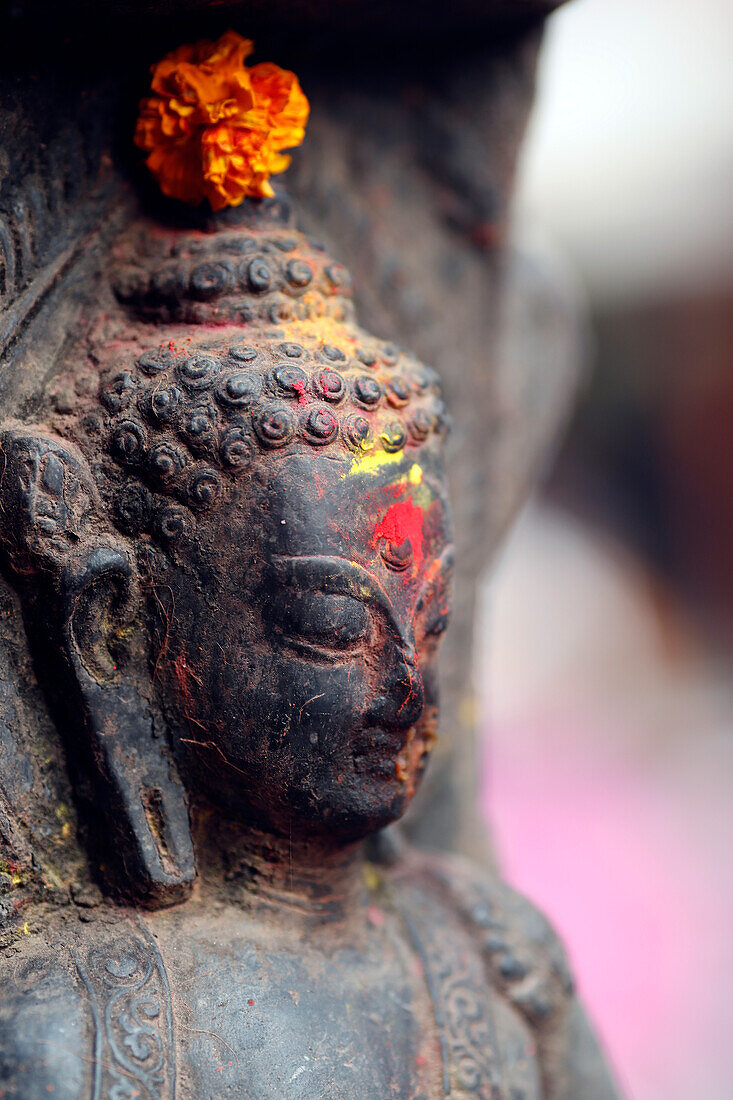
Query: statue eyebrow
341 577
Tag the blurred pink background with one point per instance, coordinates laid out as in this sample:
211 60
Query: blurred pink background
609 783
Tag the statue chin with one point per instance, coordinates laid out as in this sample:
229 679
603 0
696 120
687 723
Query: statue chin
350 812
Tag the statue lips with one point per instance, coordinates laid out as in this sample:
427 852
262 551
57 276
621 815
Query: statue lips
394 754
377 749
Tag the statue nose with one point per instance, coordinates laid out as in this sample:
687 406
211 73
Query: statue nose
403 698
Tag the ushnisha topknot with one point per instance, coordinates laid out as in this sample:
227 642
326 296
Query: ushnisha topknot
234 344
255 267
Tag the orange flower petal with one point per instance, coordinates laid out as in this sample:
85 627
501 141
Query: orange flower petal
214 128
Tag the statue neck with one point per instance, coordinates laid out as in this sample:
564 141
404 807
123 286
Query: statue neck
315 878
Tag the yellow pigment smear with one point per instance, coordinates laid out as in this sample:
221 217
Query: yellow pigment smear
323 330
372 463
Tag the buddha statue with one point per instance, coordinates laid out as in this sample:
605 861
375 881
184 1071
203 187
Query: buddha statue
228 525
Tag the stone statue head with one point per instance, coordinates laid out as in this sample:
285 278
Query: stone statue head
233 539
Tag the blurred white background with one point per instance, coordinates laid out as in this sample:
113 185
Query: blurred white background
629 157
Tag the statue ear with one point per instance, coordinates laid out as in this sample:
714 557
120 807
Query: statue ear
138 782
52 513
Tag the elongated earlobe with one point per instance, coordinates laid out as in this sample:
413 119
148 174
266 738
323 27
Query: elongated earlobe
146 807
52 516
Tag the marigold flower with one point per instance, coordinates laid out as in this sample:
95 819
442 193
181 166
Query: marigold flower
215 129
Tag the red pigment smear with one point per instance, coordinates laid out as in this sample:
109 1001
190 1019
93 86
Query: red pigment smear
299 388
319 487
184 675
402 521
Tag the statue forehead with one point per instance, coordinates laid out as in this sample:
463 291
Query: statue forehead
345 504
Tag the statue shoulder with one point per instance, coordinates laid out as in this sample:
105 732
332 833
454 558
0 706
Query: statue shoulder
522 950
526 962
46 1027
86 1011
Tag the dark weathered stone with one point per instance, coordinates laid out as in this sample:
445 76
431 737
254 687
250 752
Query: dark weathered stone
232 541
227 553
407 170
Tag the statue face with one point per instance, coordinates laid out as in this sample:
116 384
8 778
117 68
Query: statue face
302 657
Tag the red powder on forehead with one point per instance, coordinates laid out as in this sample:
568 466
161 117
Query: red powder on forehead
402 521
